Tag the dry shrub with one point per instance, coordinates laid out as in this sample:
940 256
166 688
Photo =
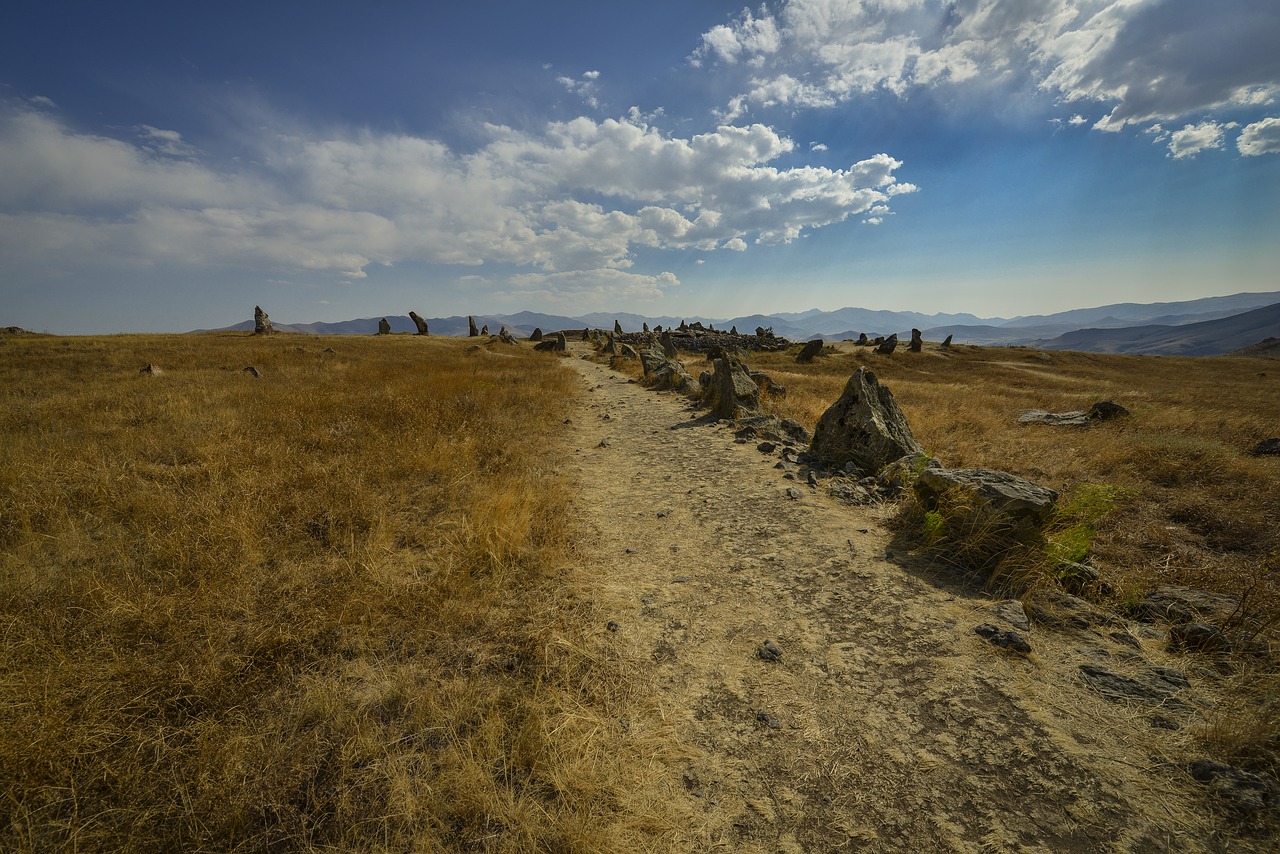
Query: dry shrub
320 609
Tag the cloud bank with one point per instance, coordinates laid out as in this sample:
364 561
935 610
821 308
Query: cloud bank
571 205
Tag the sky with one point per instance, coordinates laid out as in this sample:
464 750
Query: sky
168 166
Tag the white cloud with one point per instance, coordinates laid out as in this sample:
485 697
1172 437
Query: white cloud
1143 60
585 88
570 204
1193 139
1260 138
817 146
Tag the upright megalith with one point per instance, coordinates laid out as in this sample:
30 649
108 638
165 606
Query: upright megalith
472 331
617 328
261 323
419 322
537 334
668 344
384 328
484 330
732 393
733 330
505 336
586 333
863 340
864 427
886 347
917 341
645 326
810 350
946 345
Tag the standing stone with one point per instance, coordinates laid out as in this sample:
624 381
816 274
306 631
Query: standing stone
683 327
586 334
733 394
645 326
418 322
888 345
261 323
668 345
946 345
384 328
864 427
471 327
863 341
734 330
505 336
484 330
810 350
562 344
617 328
759 331
658 329
609 348
917 342
537 334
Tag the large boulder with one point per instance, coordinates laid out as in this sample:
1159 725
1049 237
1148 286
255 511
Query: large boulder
864 427
732 394
810 350
1022 502
418 322
261 323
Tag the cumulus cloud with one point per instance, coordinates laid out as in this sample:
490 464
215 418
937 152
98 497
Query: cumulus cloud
1260 138
1193 139
1141 61
571 203
584 87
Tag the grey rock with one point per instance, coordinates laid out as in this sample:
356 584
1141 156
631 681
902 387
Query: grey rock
626 351
766 447
1198 637
769 651
1242 791
888 345
505 336
419 323
1266 447
1105 410
766 384
617 328
484 330
1176 604
768 720
537 334
1075 418
864 426
668 344
732 394
472 331
1126 639
917 342
945 345
1003 638
794 494
151 370
810 350
261 323
1023 502
863 340
850 492
1155 685
253 372
384 328
1077 576
1012 612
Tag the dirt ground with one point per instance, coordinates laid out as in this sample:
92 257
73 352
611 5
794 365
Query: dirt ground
887 723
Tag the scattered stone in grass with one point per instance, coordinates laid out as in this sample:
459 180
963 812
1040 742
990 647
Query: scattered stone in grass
1003 638
1241 791
793 493
810 350
680 579
769 720
1014 614
1176 604
252 371
769 651
604 443
766 447
1105 410
1156 686
1126 639
1266 446
613 626
1074 418
151 370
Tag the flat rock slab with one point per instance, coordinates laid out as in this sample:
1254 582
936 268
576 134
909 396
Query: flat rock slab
1075 418
1154 685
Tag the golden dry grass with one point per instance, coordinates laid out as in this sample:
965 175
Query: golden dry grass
320 610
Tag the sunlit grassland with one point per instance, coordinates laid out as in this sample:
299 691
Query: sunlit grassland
320 609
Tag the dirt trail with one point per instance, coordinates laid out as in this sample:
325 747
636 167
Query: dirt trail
887 723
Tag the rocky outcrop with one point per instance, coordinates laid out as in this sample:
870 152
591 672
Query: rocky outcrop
261 323
419 323
887 346
384 328
1025 504
864 427
810 350
732 393
917 342
472 331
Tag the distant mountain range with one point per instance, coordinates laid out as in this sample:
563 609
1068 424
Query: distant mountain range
1208 326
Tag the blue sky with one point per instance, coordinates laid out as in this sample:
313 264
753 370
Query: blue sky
168 166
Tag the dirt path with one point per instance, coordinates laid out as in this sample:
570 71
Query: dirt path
887 723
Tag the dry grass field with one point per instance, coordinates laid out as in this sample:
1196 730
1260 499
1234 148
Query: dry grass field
1169 495
321 609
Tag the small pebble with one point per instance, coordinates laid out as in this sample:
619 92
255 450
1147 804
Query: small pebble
769 651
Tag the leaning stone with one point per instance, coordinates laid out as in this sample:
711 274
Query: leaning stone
1018 499
668 345
261 323
945 345
505 336
887 346
628 352
810 350
864 426
1075 418
419 323
732 393
1105 410
472 331
384 328
617 328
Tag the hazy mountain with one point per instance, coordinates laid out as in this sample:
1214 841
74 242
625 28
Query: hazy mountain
1207 338
1156 313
